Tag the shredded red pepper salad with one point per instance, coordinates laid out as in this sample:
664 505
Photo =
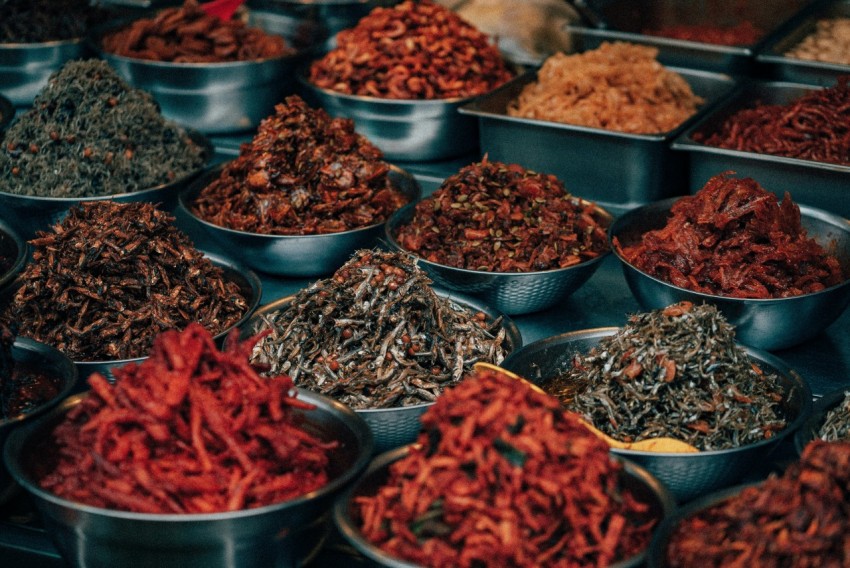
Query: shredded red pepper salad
190 430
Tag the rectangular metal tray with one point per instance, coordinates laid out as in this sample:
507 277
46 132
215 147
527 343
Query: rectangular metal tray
617 170
625 20
777 66
812 183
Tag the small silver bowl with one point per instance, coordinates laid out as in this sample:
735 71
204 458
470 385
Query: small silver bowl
770 324
394 427
513 293
26 67
292 255
29 213
274 535
633 478
405 130
33 356
686 475
14 249
213 98
822 406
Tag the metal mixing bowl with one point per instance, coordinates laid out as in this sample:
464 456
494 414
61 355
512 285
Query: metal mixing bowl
29 214
509 292
634 478
25 67
33 356
292 255
810 430
765 324
273 535
14 248
686 475
394 427
406 130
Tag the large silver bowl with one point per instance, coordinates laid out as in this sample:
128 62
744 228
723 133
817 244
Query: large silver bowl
633 478
394 427
405 130
292 255
510 292
686 475
37 357
25 67
13 248
30 213
252 538
765 324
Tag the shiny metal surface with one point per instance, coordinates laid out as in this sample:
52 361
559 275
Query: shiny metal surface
765 324
634 478
617 170
28 213
252 538
13 247
512 293
292 255
37 357
812 183
686 476
822 406
25 67
403 129
394 427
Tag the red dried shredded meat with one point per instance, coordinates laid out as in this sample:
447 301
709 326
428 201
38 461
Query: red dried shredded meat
734 238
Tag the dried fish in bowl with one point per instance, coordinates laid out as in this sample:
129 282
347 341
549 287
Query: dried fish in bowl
376 335
836 425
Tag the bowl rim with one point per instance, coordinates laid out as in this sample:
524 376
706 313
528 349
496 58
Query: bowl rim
353 422
186 198
396 220
760 356
349 530
197 138
621 223
22 254
512 334
18 46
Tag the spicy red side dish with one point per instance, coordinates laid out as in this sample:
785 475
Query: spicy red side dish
734 238
190 430
503 218
742 33
504 476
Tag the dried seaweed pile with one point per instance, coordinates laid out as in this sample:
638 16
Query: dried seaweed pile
376 335
836 426
676 372
36 21
104 282
89 133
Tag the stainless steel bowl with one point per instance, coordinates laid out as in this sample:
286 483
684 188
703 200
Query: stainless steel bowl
633 478
406 130
765 324
12 247
25 67
822 406
394 427
266 536
38 357
686 475
29 214
510 292
292 255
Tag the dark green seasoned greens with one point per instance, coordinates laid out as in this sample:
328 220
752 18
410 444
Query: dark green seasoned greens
89 134
836 426
376 335
674 372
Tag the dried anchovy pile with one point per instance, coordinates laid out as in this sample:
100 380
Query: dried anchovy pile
800 519
836 426
376 335
504 218
413 50
735 238
503 476
38 21
676 372
89 133
304 173
111 276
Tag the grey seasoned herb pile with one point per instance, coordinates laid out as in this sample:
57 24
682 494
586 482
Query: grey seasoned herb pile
88 133
110 277
836 426
376 335
675 372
